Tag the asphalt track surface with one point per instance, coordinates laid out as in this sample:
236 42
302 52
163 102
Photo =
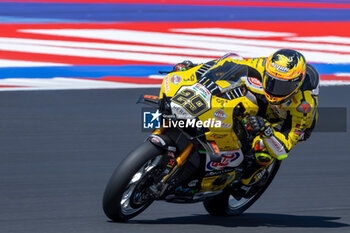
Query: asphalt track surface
58 149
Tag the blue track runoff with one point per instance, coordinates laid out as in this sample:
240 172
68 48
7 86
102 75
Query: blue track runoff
136 71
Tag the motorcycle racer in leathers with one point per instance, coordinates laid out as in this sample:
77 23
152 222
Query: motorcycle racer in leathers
286 90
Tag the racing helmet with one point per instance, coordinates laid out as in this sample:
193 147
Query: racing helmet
284 75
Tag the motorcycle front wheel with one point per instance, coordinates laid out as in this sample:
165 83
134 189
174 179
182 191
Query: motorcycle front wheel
126 193
227 203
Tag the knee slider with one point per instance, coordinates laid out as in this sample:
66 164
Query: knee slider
263 158
260 153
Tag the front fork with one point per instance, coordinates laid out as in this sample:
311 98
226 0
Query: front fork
172 165
179 161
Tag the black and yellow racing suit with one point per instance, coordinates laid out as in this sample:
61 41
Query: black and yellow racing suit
292 121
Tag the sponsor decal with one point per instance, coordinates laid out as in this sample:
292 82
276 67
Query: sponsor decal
179 111
166 84
222 102
219 172
175 79
151 120
171 154
304 107
218 136
254 83
288 103
190 79
172 160
273 142
226 125
227 157
171 148
220 115
171 163
202 89
280 68
268 132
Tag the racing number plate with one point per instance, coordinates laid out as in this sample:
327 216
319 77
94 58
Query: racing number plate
191 101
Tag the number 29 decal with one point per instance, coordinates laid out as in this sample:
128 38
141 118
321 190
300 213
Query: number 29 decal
194 104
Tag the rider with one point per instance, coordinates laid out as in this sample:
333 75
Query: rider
286 91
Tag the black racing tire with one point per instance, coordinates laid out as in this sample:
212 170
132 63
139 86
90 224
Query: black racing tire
121 179
220 204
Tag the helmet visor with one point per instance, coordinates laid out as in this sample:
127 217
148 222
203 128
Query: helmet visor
279 87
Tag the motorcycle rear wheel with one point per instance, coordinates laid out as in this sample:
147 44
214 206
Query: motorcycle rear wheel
226 204
125 195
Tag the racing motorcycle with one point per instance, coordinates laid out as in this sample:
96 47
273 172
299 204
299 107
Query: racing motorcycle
187 159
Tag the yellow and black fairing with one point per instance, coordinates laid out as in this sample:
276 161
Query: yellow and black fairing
220 108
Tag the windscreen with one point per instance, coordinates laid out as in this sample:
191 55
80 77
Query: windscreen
228 71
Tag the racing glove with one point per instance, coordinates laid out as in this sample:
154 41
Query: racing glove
183 66
257 125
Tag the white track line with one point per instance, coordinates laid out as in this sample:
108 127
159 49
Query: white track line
234 32
329 39
65 84
19 63
244 47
